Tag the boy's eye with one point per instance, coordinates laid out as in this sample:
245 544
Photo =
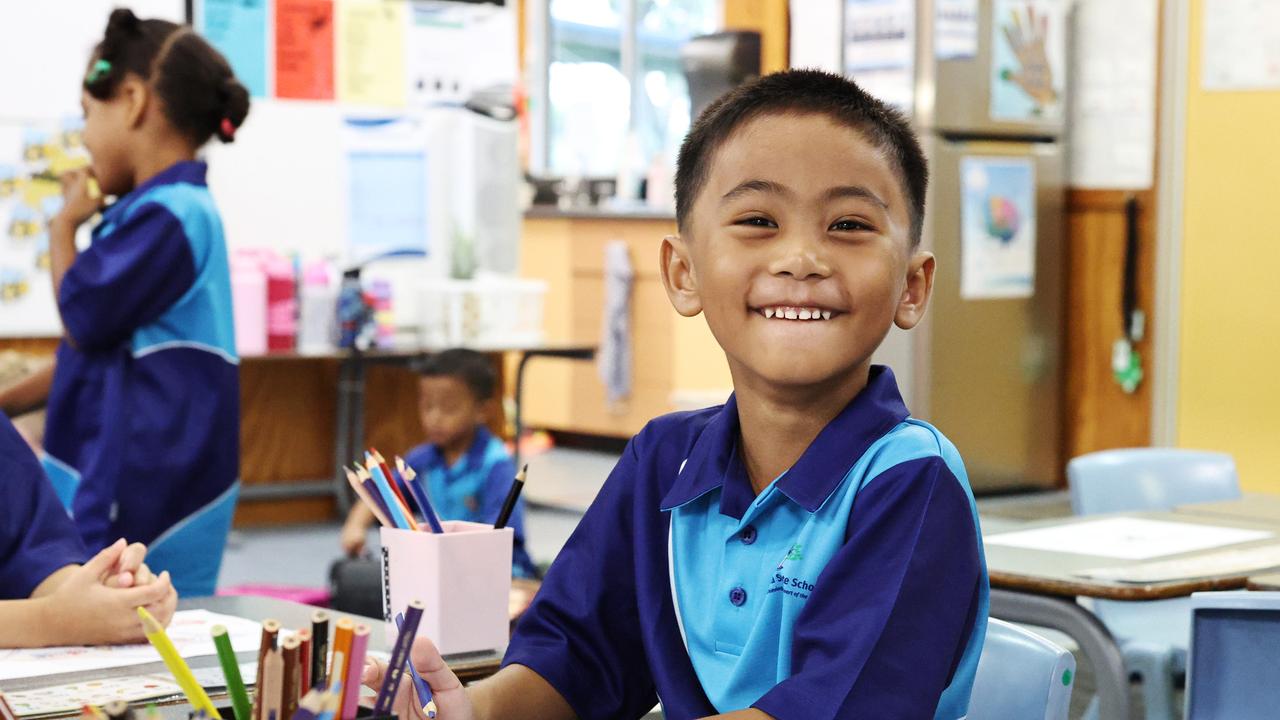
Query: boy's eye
850 226
757 221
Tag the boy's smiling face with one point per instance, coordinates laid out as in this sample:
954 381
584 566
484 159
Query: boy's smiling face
799 216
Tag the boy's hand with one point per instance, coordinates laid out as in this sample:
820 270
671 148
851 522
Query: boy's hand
80 198
129 570
84 611
452 702
353 537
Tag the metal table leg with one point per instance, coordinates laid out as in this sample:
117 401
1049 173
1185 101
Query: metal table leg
1096 642
349 435
519 409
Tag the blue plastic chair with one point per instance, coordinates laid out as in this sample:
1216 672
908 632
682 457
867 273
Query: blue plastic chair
1021 676
1231 669
1152 635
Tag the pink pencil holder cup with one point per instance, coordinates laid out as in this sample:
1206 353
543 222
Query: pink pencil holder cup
463 576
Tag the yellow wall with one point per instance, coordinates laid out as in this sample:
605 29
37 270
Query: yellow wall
1229 385
769 17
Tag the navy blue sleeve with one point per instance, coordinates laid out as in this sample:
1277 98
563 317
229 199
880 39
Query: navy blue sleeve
582 633
891 613
36 535
126 279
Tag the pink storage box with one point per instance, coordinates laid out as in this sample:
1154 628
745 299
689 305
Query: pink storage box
462 576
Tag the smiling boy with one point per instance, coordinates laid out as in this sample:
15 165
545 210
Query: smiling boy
806 550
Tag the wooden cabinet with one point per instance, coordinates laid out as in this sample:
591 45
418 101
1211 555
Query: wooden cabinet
675 361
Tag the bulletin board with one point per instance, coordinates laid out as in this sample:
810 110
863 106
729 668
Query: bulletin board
340 88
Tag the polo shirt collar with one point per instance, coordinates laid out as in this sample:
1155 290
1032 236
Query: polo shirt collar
714 460
474 456
192 172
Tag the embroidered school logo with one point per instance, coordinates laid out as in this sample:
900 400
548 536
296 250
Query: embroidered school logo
795 554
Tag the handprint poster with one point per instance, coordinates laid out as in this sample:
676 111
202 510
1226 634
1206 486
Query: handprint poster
997 227
1028 59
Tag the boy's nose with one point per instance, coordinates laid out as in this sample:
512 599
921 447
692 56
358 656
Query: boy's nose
801 258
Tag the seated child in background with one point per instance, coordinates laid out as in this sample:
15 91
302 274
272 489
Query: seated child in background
49 595
467 469
808 550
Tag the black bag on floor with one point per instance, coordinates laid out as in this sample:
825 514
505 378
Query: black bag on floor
355 586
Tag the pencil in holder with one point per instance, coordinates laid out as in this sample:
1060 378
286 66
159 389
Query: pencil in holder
462 576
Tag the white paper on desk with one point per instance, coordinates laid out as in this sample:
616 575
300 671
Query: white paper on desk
61 699
1126 538
189 631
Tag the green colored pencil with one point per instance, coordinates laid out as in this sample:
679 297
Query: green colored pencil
231 668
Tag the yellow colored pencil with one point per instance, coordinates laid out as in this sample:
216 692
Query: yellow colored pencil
196 695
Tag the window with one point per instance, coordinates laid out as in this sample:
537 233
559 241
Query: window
612 95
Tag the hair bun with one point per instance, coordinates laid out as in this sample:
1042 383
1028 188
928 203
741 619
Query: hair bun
122 21
235 108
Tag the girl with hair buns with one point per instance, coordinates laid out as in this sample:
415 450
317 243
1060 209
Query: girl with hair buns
144 401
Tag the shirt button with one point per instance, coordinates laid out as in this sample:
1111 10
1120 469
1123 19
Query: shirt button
748 535
738 596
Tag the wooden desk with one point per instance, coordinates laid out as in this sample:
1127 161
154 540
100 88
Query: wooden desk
1262 507
469 666
1039 587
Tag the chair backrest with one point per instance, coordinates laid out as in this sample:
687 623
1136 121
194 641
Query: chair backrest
1021 676
1231 665
1149 479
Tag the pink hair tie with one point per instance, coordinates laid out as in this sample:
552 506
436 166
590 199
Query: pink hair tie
228 129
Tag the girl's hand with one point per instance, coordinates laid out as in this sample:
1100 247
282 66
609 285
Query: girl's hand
87 612
80 198
450 697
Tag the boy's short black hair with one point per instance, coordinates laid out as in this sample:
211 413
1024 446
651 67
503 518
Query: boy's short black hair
803 92
469 366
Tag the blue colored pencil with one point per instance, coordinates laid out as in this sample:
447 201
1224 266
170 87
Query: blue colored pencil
384 490
399 657
424 690
420 496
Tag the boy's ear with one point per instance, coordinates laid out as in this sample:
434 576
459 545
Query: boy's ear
915 296
136 95
678 276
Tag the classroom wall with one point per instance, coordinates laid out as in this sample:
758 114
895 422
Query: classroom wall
1229 387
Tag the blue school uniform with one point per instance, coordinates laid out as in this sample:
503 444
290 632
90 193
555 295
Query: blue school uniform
36 535
145 404
474 488
853 586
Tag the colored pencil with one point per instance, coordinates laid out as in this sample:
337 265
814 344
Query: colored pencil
355 671
177 666
272 684
6 711
341 649
419 491
319 648
309 705
376 457
419 685
270 633
304 660
361 492
376 471
118 710
399 656
291 683
240 704
332 702
388 497
509 505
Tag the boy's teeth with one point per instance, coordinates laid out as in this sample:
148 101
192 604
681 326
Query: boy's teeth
794 313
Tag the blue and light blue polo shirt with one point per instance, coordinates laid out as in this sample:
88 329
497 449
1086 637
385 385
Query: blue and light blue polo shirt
474 488
37 537
853 586
145 404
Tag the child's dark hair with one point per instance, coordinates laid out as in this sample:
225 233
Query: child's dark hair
198 91
803 92
469 366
